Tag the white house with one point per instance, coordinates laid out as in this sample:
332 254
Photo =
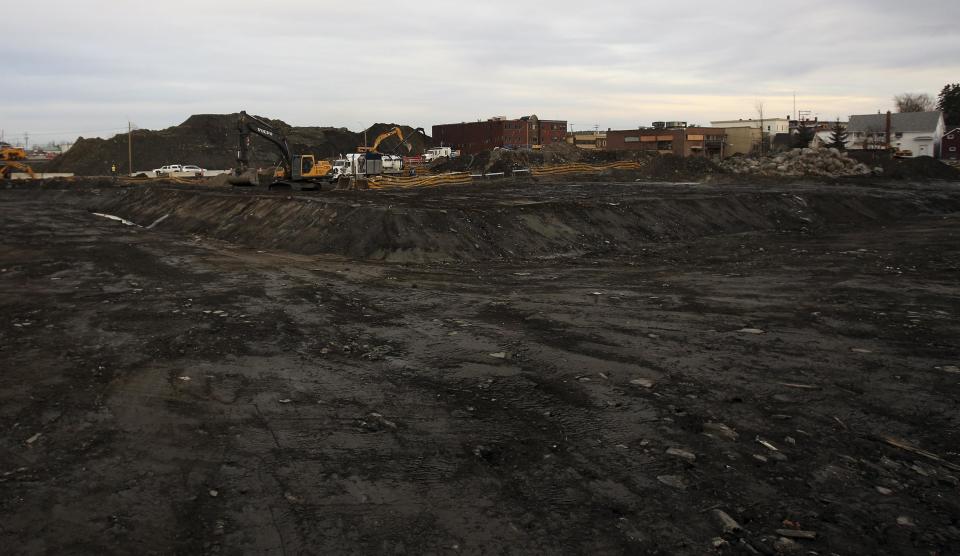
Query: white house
913 133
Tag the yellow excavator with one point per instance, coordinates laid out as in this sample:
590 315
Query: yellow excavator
301 171
10 158
385 135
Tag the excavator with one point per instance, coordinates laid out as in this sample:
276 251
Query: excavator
301 171
369 161
387 134
10 158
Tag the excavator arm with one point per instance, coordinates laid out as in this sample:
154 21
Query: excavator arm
407 140
380 138
247 124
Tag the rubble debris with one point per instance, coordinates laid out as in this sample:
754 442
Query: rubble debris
896 443
797 534
643 382
800 162
721 430
783 545
675 481
684 454
799 386
730 525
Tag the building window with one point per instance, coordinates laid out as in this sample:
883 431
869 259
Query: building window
631 139
899 134
949 136
953 149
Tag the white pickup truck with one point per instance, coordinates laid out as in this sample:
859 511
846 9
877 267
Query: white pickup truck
178 171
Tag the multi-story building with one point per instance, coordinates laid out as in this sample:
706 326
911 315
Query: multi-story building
589 140
684 141
770 126
525 132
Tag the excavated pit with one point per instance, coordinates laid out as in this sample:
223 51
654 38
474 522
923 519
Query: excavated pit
511 221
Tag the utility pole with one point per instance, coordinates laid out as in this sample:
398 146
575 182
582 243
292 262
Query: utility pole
130 147
26 140
759 107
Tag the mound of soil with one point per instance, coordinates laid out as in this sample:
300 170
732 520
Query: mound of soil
210 141
501 223
920 168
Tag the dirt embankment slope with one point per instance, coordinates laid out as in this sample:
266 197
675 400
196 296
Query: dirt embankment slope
210 141
498 223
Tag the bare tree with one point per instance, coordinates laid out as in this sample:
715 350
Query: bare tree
914 102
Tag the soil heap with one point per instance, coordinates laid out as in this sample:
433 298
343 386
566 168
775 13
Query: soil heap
801 162
210 141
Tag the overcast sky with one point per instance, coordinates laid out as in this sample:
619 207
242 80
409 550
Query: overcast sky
86 67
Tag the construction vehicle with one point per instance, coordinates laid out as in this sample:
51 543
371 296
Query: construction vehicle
10 158
369 161
301 171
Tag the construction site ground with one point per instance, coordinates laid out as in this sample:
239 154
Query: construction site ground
566 368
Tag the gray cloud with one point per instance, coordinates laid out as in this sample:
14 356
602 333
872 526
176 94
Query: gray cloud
84 67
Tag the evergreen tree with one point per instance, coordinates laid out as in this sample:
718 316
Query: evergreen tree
948 102
838 136
803 136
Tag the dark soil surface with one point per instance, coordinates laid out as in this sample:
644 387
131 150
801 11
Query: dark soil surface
194 388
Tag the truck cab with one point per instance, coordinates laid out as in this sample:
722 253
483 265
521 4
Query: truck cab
167 170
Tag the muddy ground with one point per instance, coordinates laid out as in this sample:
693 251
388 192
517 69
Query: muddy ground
607 390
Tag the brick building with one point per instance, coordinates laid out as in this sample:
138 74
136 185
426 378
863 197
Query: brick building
687 141
525 132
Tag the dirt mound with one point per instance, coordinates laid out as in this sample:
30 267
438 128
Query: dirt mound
920 168
210 141
487 223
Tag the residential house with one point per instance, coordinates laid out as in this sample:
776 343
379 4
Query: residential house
823 136
950 145
912 133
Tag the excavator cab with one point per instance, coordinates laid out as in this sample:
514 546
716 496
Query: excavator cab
306 167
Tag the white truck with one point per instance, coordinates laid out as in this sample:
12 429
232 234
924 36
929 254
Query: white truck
178 171
367 164
439 152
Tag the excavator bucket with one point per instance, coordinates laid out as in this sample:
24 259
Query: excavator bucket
248 178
